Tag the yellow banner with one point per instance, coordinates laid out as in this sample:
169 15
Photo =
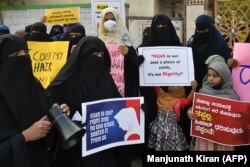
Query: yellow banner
62 15
47 59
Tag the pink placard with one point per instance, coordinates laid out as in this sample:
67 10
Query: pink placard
241 73
117 67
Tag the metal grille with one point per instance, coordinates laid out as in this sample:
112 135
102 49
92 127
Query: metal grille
232 18
195 2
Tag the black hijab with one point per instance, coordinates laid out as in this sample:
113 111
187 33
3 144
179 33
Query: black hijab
21 100
40 34
205 45
145 36
163 36
21 103
248 38
55 30
77 28
84 77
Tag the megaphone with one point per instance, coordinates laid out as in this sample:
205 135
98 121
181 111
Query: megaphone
69 131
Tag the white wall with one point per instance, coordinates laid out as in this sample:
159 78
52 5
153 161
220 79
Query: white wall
191 17
18 19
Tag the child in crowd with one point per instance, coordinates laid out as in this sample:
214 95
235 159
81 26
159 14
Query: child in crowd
165 132
218 82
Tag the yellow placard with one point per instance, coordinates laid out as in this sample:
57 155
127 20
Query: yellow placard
62 15
47 59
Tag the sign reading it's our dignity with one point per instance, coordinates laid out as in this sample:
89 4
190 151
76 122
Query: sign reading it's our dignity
221 120
241 73
47 59
166 66
111 123
117 67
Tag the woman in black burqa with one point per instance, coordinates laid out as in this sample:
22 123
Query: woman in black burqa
85 77
23 106
162 33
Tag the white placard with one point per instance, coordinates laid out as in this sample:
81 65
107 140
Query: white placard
98 5
166 66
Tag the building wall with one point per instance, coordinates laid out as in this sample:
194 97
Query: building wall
143 8
194 8
34 10
17 19
134 8
53 2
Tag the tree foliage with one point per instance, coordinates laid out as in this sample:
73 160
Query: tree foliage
10 2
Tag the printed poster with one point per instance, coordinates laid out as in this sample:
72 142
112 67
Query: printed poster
166 66
221 120
111 123
47 59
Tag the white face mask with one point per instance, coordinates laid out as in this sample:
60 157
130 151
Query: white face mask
110 25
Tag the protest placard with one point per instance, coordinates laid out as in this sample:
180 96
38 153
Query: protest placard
241 73
111 123
166 66
62 15
221 120
47 59
117 67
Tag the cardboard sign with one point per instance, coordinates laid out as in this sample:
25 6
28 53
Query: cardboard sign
221 120
166 66
241 73
47 59
62 15
117 67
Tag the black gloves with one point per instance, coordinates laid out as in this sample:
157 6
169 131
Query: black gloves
139 60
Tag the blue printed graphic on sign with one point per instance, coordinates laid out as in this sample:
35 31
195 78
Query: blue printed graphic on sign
102 127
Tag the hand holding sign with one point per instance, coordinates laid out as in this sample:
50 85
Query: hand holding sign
123 49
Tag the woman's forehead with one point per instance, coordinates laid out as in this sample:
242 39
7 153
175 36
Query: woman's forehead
109 15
